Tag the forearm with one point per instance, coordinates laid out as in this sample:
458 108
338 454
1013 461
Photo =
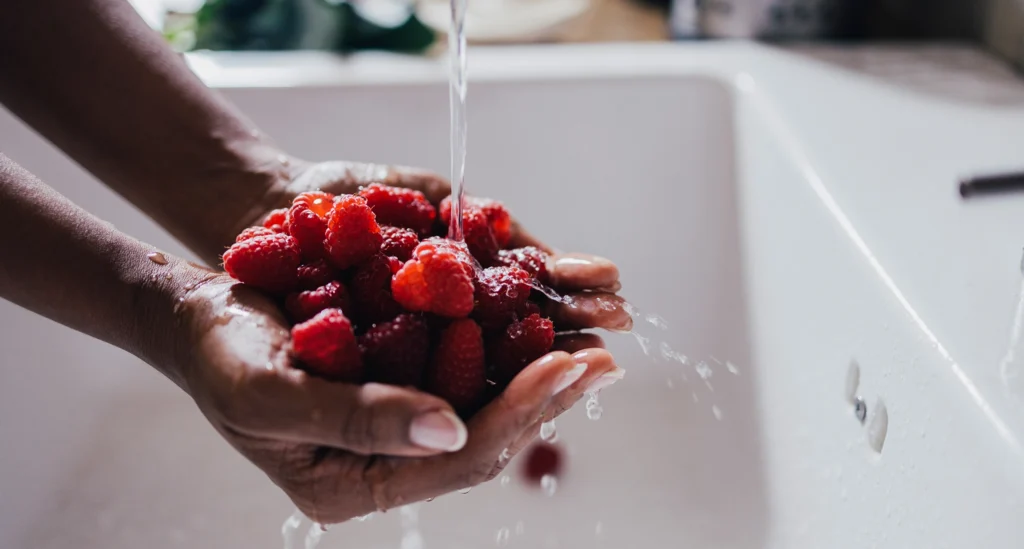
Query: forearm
63 263
95 80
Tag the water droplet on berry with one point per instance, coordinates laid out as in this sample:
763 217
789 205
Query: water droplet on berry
547 430
503 537
505 479
718 412
549 483
594 409
157 257
465 490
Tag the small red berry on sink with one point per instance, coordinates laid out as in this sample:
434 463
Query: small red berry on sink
438 279
353 236
400 207
268 262
542 459
327 347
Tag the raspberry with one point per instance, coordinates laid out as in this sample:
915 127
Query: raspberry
500 293
404 208
307 222
529 259
353 235
398 242
277 220
396 352
497 216
528 308
303 306
267 262
520 344
458 374
371 290
438 279
252 232
479 237
327 347
542 459
314 275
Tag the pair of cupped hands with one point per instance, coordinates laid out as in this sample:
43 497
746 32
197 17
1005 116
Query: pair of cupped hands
340 451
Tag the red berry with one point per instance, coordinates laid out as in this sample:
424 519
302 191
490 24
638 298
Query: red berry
370 288
277 220
327 347
528 308
529 259
520 344
457 373
397 352
303 306
542 459
252 232
479 237
500 293
497 216
353 235
438 279
316 274
307 222
398 242
400 207
267 262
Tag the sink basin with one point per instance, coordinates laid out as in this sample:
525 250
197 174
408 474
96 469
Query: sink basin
739 210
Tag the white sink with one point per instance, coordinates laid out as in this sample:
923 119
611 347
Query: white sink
782 217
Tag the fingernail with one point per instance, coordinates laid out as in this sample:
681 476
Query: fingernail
571 376
606 380
575 260
440 430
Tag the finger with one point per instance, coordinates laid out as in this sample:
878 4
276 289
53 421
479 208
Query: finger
574 342
368 419
581 272
589 310
491 430
601 373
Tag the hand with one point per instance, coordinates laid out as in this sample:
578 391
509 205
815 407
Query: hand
341 451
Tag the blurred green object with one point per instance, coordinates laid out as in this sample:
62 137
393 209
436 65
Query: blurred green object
300 25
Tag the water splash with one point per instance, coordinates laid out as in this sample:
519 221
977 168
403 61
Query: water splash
457 98
594 409
410 519
549 484
299 532
548 431
551 294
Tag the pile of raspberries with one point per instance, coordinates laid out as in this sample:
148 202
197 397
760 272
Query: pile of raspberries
375 293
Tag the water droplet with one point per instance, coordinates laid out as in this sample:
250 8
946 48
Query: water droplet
547 430
718 412
852 381
324 527
549 484
732 368
657 322
860 409
598 529
283 160
645 343
551 294
465 490
503 537
520 528
157 257
181 300
703 370
366 517
168 276
594 409
670 383
630 309
505 479
189 286
505 456
879 427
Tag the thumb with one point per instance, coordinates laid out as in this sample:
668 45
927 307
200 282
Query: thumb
371 419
